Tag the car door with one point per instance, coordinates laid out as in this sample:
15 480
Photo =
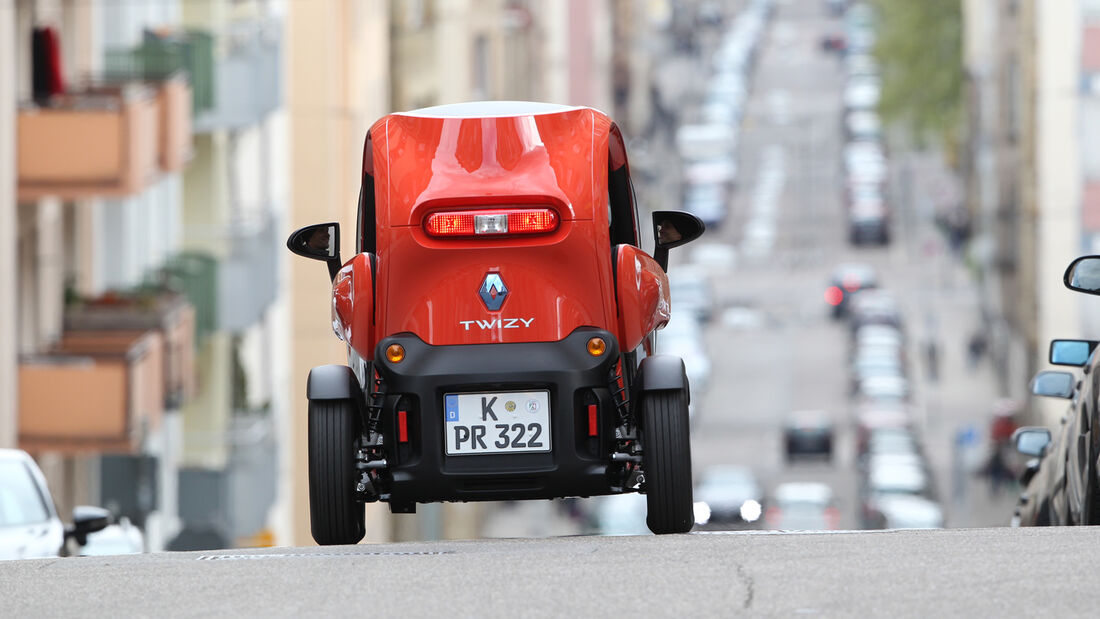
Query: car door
1058 507
1076 447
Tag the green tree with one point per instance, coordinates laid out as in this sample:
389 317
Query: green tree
919 48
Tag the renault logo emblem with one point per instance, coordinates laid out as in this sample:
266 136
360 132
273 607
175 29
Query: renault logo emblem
493 292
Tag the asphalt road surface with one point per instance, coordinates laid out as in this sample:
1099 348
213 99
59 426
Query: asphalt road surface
976 572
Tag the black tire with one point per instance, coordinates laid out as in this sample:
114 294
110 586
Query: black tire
335 516
666 448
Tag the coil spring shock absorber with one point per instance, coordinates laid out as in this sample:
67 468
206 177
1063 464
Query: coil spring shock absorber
371 455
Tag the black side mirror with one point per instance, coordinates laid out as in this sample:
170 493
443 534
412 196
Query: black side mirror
1031 440
673 229
87 519
1083 275
1071 352
318 242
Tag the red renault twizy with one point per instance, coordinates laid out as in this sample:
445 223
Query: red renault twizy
499 315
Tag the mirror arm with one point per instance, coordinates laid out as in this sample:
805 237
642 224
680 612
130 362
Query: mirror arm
660 254
334 265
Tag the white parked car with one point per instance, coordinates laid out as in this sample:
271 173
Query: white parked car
29 525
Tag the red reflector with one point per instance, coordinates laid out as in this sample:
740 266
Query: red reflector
771 517
532 221
402 426
450 224
834 295
465 223
592 427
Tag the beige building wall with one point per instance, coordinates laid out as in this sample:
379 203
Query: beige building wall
1057 49
553 25
338 57
8 229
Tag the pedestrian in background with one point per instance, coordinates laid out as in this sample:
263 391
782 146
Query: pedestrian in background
975 348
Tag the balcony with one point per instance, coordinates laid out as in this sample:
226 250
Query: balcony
235 75
231 274
160 56
232 499
173 103
98 391
87 144
247 70
168 314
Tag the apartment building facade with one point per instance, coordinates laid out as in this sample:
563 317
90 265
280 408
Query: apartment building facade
220 126
126 365
1033 173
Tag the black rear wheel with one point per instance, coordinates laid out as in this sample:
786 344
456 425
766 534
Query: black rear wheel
666 449
336 517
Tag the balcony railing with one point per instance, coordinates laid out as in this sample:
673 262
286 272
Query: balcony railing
160 56
247 76
233 278
96 392
174 102
86 144
167 313
233 499
235 75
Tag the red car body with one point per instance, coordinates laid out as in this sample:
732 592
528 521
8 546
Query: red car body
497 252
423 165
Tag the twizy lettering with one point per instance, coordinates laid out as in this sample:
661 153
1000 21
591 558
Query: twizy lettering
498 323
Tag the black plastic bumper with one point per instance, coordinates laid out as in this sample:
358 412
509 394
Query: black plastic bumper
578 465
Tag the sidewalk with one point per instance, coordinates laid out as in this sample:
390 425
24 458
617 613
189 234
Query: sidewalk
942 304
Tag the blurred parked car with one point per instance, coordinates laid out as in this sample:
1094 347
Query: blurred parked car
706 142
1060 488
875 336
883 389
848 279
802 506
29 525
721 171
870 224
692 295
908 512
731 495
862 93
117 539
890 440
862 125
877 417
887 479
808 433
860 65
874 307
683 337
707 202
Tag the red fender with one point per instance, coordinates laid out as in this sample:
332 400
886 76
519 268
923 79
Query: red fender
353 305
641 287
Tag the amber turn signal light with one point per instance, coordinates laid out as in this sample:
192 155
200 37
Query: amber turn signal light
395 353
596 346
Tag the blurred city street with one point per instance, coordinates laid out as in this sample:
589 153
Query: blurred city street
773 347
794 357
879 279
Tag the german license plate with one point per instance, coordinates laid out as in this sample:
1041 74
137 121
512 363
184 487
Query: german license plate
493 423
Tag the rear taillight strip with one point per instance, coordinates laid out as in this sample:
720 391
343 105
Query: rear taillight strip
486 223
